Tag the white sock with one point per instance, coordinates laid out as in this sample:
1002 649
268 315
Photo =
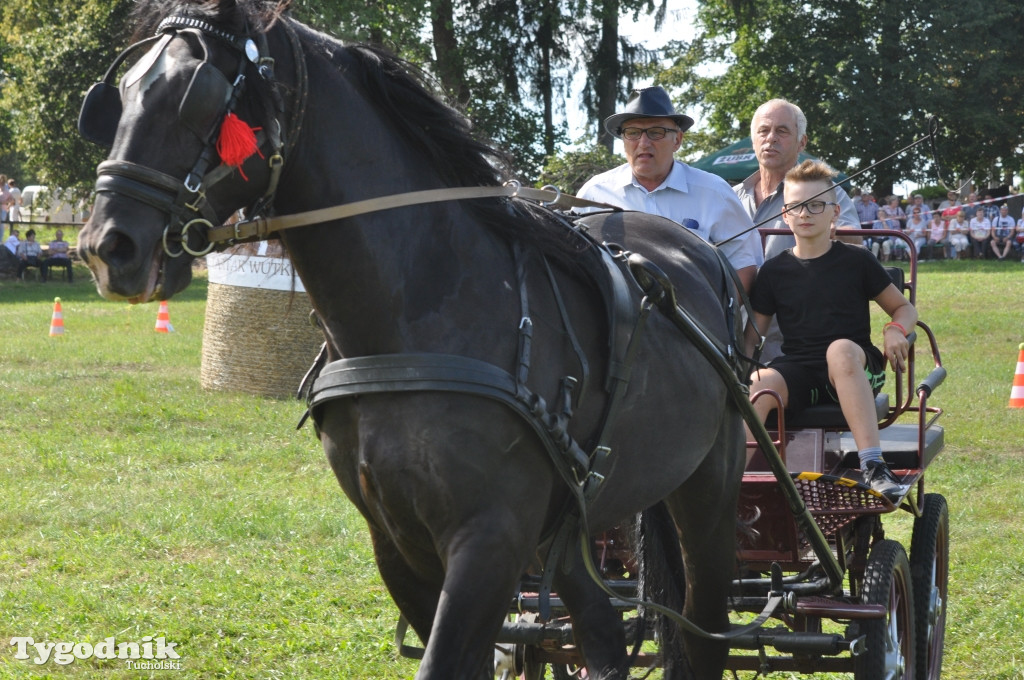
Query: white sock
870 455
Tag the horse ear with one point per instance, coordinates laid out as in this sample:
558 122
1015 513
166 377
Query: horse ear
100 114
205 100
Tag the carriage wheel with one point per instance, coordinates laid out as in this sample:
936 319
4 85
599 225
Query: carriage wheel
929 564
889 644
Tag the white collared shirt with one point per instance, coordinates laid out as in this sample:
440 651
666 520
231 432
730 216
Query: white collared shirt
698 200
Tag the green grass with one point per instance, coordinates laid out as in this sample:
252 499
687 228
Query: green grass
136 503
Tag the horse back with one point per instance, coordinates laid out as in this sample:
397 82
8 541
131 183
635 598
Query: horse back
692 264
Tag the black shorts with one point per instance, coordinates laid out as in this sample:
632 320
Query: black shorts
808 383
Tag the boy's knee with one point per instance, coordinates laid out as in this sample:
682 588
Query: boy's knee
845 355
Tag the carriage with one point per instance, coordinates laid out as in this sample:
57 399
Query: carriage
852 601
494 383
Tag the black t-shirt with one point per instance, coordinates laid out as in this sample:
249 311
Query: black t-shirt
821 300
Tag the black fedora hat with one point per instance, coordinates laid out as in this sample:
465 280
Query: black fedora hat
650 102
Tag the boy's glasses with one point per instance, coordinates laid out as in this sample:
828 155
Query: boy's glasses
813 207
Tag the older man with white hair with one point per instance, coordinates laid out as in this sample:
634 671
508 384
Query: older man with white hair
778 131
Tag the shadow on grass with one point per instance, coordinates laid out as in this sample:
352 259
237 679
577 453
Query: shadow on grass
81 290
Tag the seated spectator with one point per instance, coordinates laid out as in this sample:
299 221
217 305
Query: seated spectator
59 256
981 231
1002 233
12 241
970 208
917 227
881 246
918 202
894 213
867 209
828 356
959 230
29 253
937 236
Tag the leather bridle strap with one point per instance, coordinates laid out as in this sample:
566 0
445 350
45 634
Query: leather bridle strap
263 227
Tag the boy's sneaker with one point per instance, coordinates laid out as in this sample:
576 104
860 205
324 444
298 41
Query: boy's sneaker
880 478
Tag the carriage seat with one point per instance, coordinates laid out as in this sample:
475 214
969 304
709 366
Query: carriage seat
826 416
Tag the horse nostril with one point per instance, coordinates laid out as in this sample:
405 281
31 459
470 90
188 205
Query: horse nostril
117 249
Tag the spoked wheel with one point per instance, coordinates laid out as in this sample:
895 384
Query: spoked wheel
929 565
889 643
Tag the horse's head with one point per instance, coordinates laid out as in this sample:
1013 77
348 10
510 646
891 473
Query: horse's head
175 167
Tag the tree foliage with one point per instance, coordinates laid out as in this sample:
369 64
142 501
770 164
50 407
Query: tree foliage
53 51
869 74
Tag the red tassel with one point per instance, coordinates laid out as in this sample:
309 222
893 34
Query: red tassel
237 141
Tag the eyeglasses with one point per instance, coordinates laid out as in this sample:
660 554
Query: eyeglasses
813 207
653 133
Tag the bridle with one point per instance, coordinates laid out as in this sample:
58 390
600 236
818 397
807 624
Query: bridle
209 99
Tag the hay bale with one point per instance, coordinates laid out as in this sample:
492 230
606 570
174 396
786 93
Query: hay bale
257 337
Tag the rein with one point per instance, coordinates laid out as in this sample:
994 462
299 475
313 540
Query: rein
261 228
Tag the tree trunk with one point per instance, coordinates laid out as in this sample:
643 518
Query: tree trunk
606 81
450 68
545 40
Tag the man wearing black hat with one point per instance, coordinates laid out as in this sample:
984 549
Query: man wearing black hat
654 181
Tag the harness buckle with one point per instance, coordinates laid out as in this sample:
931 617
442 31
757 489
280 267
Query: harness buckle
196 205
193 184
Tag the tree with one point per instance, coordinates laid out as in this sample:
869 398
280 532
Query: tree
615 62
570 171
868 74
49 48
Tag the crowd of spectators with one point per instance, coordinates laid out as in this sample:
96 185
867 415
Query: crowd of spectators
957 228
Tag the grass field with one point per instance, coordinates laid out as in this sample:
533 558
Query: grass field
136 505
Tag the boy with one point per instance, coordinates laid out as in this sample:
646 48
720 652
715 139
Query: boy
820 290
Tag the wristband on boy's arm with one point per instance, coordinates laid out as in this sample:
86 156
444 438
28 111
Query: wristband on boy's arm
893 324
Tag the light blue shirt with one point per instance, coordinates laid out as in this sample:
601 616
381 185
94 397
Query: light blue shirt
698 200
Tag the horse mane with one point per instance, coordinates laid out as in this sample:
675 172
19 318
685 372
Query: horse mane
406 97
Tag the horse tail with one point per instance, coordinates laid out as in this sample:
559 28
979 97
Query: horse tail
661 578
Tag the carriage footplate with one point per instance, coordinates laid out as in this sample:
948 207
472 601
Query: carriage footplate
845 490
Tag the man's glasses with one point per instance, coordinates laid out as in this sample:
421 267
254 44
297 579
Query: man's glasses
653 133
813 207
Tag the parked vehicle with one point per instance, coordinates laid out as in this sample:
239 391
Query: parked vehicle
40 203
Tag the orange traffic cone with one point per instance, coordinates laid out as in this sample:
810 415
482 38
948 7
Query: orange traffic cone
1017 391
57 321
163 319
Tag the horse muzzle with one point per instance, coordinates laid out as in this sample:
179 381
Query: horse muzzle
127 258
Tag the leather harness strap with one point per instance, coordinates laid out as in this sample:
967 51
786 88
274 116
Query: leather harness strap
263 227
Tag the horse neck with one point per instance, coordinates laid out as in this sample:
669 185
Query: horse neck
409 279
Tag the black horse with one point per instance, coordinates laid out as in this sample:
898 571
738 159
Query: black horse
459 489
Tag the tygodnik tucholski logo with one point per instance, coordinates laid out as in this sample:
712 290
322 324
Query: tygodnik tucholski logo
147 654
